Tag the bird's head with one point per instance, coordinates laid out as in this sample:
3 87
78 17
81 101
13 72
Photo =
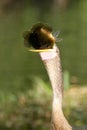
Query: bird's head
40 38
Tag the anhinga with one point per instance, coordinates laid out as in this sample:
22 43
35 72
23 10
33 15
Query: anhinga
41 40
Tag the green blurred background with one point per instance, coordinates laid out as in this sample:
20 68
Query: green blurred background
24 84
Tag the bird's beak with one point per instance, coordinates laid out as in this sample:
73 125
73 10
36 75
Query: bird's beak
40 50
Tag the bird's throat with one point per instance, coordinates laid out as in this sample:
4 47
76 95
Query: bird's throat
48 54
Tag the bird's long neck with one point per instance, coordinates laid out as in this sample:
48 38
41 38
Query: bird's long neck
53 67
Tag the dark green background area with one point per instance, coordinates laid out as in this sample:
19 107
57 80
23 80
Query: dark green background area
16 62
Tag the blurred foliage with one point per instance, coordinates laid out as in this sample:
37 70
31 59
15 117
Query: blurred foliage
32 109
46 4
